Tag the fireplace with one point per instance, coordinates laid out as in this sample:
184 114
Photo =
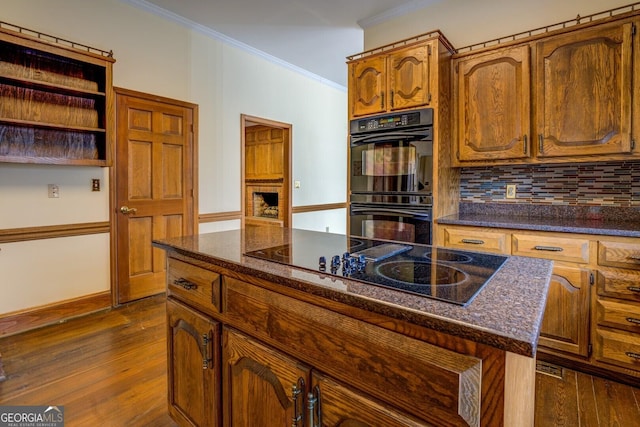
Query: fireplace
265 202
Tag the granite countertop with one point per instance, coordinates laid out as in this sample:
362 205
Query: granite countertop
597 221
506 313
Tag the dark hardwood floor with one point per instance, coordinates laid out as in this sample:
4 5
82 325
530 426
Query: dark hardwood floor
109 369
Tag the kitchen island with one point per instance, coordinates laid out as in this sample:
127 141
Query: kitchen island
284 345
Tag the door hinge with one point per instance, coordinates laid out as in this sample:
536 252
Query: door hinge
429 98
429 50
591 279
633 144
590 349
633 29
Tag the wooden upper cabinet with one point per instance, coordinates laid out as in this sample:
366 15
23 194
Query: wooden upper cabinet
409 77
492 105
391 81
368 86
264 153
583 92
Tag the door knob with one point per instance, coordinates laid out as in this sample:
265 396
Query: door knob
127 210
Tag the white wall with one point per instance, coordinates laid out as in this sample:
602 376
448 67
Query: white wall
159 55
465 22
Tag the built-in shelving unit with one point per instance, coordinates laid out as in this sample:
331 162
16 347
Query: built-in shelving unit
56 100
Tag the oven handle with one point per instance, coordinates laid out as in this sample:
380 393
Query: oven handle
426 135
373 211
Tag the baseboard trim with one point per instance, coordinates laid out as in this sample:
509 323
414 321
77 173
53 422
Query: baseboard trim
32 318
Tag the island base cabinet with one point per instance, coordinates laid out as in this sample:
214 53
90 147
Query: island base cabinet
341 405
193 366
263 387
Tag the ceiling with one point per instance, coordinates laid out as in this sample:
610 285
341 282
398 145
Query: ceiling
313 35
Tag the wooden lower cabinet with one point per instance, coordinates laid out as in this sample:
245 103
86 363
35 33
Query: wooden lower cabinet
266 387
193 366
565 325
592 318
251 356
263 386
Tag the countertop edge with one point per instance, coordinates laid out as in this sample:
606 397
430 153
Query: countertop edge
522 345
481 221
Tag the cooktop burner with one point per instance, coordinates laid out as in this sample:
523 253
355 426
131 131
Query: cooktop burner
444 274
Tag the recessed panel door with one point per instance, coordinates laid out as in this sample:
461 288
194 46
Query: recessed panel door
154 189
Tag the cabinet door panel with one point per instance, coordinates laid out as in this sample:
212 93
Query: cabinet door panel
583 87
258 383
409 77
493 105
368 86
343 406
193 366
565 325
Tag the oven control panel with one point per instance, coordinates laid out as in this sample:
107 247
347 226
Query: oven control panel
422 117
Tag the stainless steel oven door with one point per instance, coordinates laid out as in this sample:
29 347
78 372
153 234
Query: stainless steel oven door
391 223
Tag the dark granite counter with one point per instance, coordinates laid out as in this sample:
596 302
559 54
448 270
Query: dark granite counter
563 219
506 313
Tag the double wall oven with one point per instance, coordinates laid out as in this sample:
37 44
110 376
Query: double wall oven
391 176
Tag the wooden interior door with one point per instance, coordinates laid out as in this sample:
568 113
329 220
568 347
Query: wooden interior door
155 180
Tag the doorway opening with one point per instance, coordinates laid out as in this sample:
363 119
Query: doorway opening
266 169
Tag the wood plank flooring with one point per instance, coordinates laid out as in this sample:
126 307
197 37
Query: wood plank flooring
109 369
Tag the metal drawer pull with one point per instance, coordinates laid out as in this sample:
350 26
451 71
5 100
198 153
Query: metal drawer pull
473 241
633 355
548 248
185 284
634 288
633 320
635 258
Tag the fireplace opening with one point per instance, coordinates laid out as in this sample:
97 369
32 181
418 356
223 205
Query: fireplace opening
265 204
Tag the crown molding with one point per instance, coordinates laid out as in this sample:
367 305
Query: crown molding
157 10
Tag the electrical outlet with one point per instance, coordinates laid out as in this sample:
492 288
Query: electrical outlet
296 184
511 191
54 191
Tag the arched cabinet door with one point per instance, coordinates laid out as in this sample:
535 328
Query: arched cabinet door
492 105
410 77
262 386
564 326
339 405
193 358
368 86
583 89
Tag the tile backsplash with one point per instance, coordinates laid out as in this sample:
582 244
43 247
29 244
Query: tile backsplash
581 184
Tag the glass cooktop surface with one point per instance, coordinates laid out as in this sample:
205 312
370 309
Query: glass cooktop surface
444 274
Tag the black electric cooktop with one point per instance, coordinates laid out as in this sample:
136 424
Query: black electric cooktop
444 274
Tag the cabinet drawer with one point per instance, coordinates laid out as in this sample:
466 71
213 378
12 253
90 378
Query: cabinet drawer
480 240
618 347
619 254
623 284
549 247
194 285
618 315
